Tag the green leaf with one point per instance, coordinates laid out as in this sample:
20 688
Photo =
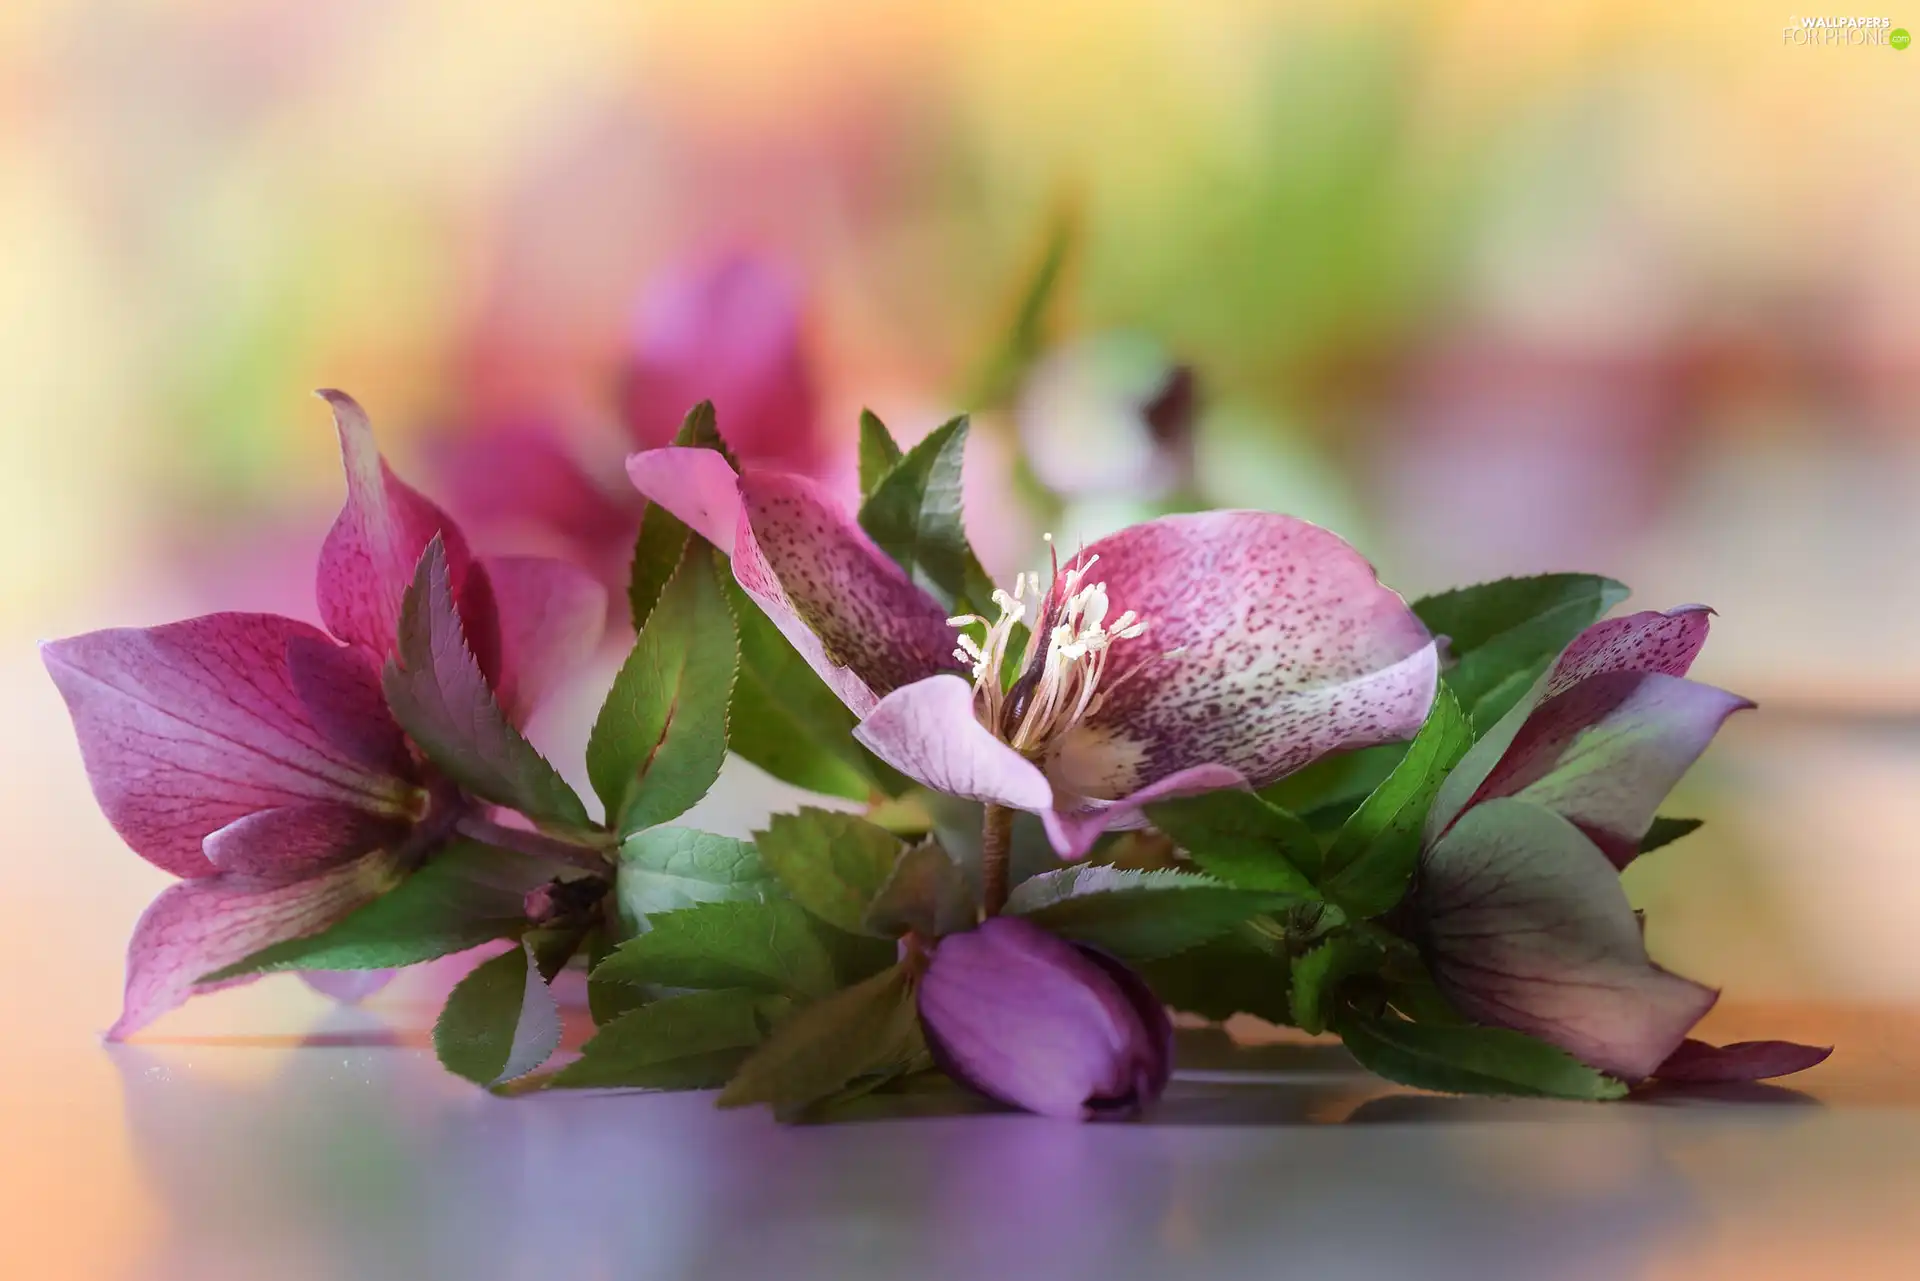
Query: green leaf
771 946
870 1029
500 1022
438 695
665 869
1665 831
1332 786
466 894
915 517
1464 1059
661 736
832 864
663 538
879 454
1373 857
1138 916
1318 973
1243 840
1504 634
694 1041
925 894
1240 972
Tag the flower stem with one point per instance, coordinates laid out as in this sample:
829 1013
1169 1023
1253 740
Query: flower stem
537 844
996 844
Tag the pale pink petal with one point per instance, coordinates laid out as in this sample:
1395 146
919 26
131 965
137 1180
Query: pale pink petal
927 731
349 987
1526 927
197 927
368 559
1696 1062
1649 641
726 331
189 727
1074 830
696 485
298 840
551 618
1605 753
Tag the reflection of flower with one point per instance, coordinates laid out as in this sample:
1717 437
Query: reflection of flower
1108 414
1214 649
1044 1024
1520 906
254 756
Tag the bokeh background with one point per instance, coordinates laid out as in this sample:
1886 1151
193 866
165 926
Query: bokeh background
1488 288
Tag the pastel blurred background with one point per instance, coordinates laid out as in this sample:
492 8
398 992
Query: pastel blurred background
1489 289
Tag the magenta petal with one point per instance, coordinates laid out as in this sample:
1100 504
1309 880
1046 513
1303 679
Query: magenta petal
189 727
1269 643
298 840
1649 641
927 731
869 616
1073 832
1037 1022
368 559
349 987
201 926
1606 752
1700 1063
551 617
522 475
696 485
339 688
1526 927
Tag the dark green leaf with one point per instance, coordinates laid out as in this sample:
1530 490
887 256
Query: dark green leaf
1137 916
440 698
695 1041
915 517
1465 1059
1504 634
1243 840
925 894
500 1022
1332 786
1240 972
466 895
870 1029
1318 973
1665 831
661 735
665 869
769 947
832 864
879 454
608 999
1372 859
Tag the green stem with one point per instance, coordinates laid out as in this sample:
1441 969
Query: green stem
996 845
538 844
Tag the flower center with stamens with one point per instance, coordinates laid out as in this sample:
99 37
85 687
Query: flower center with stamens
1060 670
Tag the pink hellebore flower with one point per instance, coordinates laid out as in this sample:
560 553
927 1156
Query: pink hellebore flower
727 330
1193 652
254 756
1519 902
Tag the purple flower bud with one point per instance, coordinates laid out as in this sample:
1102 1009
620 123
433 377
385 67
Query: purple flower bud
1043 1024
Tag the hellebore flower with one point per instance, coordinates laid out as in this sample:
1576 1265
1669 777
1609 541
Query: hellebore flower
1216 649
1108 414
1043 1024
726 330
1519 903
254 756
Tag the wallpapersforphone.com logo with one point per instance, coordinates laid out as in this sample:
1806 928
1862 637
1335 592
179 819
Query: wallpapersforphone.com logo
1844 32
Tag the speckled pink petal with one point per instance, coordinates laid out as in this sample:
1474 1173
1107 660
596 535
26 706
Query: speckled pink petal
1696 1062
201 926
696 485
1288 648
1606 752
369 556
869 617
188 727
551 617
1526 927
1650 641
927 731
1074 830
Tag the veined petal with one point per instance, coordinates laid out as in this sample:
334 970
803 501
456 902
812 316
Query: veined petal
1526 927
696 485
1074 830
189 727
927 731
368 558
1270 642
298 840
1696 1062
1605 752
551 618
201 926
